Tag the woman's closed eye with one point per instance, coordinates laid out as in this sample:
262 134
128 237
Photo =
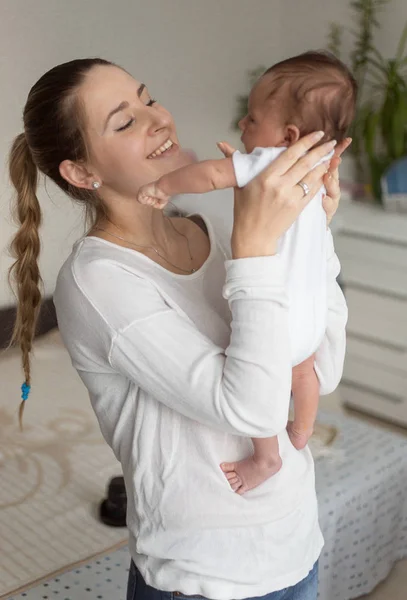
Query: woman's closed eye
126 126
131 121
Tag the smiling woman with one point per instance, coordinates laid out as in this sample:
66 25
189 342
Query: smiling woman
179 333
124 127
66 101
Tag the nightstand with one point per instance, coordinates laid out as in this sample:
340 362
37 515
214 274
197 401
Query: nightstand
372 247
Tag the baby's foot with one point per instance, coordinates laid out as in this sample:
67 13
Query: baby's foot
247 474
299 438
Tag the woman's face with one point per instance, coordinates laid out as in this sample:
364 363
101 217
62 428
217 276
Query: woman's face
131 138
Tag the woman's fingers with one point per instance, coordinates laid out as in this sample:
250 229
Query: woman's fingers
331 182
268 205
333 190
314 180
336 160
290 157
341 147
306 164
333 166
330 207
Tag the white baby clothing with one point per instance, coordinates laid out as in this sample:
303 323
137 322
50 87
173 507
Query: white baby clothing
303 252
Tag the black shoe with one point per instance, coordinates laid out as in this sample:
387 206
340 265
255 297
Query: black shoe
112 510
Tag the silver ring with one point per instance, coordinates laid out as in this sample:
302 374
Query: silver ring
304 187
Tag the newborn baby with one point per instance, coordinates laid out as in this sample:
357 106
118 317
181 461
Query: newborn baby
310 92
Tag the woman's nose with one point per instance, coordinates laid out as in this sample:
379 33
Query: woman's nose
159 120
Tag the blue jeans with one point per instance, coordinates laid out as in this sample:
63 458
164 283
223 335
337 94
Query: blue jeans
137 589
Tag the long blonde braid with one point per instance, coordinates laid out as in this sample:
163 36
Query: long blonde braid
53 132
25 248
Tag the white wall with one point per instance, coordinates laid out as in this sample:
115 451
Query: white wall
306 24
193 54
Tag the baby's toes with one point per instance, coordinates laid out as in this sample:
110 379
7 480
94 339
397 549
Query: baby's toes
228 467
242 489
235 480
236 484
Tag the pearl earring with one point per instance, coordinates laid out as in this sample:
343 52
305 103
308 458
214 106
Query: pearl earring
96 185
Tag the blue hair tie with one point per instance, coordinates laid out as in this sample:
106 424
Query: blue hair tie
25 390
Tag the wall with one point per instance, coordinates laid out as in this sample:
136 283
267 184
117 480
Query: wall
193 54
307 23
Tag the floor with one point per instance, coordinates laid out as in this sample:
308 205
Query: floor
395 586
53 473
104 578
101 579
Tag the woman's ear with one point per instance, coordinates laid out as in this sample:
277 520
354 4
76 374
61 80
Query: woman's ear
76 174
291 134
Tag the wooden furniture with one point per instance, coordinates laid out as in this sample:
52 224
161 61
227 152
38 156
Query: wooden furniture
372 247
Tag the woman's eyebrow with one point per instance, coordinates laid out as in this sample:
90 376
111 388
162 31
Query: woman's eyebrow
122 106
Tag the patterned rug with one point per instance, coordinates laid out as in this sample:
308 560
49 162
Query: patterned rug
53 474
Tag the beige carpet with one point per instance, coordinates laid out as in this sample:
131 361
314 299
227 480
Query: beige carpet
53 474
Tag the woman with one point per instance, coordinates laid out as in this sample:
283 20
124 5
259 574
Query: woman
179 377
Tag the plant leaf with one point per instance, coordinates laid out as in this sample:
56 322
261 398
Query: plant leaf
370 131
374 63
335 35
401 45
378 55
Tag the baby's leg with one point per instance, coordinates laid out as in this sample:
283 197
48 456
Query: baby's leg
251 472
305 388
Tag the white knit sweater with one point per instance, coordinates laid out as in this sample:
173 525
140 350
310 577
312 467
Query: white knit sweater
180 378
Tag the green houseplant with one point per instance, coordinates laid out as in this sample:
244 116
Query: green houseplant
380 127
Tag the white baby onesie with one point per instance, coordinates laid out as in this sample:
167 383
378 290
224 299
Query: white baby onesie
303 250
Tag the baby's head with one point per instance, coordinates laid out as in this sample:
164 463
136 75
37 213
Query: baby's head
310 92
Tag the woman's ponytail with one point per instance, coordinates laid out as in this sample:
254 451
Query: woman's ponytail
25 248
54 131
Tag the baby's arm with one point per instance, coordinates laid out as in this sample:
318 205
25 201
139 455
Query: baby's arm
197 178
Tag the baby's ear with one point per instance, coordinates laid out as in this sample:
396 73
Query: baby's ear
291 135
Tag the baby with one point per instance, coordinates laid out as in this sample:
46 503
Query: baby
310 92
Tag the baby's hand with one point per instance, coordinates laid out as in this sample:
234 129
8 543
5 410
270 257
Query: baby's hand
226 149
152 195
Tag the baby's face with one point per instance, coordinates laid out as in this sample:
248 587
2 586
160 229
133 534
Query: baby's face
263 126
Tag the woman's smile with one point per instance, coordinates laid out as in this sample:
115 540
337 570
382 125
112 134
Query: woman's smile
168 148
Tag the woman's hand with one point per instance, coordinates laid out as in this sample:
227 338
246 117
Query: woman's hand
331 182
267 206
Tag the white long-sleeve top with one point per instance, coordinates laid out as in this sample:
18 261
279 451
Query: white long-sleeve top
180 378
